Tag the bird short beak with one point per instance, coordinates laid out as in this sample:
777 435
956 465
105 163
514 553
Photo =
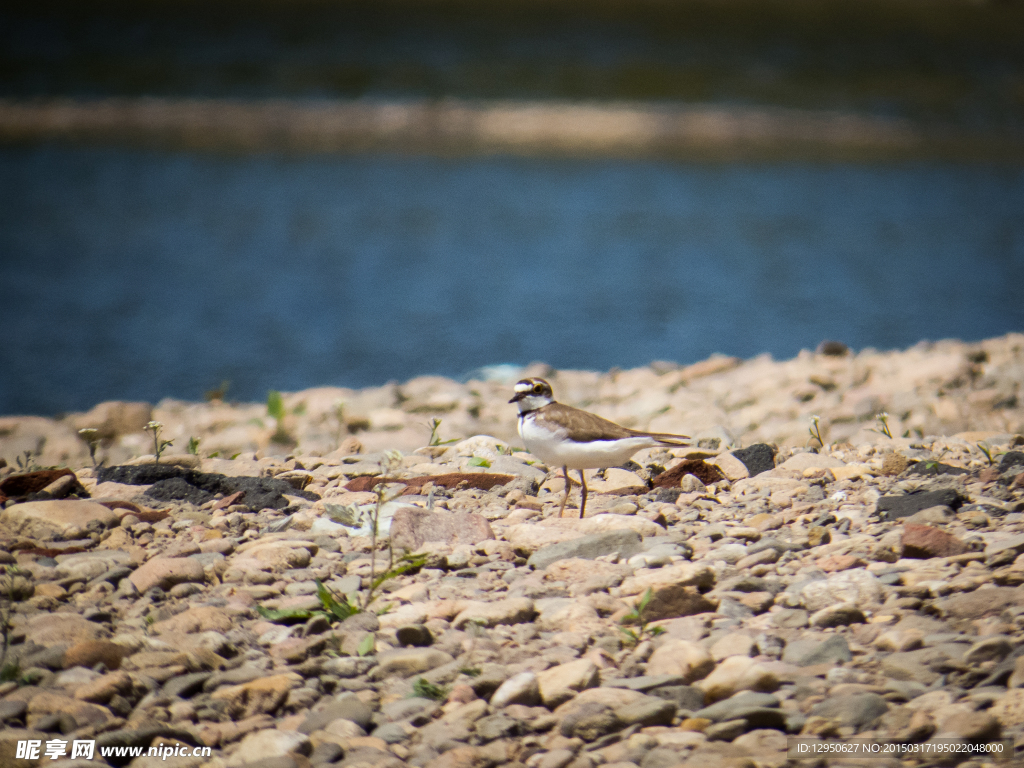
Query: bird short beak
518 396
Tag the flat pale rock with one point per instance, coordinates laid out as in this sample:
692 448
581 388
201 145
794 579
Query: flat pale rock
104 688
730 466
609 522
518 689
412 527
513 610
853 586
66 518
681 575
272 742
559 684
529 537
47 703
165 572
801 461
737 673
691 661
406 662
617 482
981 602
49 629
624 542
201 618
263 696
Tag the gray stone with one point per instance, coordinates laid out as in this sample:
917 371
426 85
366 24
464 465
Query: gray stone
726 731
728 709
345 707
835 650
623 542
857 710
186 685
590 721
391 733
651 710
416 708
790 618
325 752
644 683
496 727
685 697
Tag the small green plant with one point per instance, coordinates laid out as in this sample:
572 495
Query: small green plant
159 445
92 439
367 645
988 453
637 617
815 430
478 461
425 689
335 607
883 425
435 437
193 445
276 411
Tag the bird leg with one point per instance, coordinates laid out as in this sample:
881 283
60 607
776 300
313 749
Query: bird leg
565 496
583 499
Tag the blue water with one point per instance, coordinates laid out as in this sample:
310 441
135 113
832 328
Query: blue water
139 275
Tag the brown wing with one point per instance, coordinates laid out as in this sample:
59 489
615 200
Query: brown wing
584 427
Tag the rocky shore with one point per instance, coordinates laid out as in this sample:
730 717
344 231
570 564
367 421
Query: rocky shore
839 553
473 127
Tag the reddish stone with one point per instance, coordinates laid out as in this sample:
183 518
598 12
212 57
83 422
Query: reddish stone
836 563
706 473
924 541
989 475
16 486
483 481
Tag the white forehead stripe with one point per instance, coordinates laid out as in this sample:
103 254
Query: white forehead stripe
523 386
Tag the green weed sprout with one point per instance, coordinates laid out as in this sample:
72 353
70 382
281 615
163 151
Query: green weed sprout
425 689
275 409
815 430
883 425
159 446
435 437
636 616
193 445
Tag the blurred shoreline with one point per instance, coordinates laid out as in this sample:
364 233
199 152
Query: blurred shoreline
482 127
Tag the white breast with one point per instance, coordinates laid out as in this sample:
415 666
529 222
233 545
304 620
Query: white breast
556 450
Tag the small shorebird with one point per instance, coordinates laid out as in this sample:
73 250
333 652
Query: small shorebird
560 435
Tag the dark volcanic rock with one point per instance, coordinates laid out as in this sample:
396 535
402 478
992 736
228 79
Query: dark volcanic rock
1010 460
756 458
176 483
178 489
894 507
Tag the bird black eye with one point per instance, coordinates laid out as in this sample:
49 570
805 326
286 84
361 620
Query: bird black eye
538 388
